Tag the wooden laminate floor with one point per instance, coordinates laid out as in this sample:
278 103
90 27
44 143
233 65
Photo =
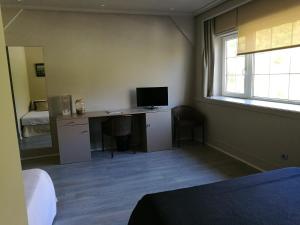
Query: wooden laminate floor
105 191
36 142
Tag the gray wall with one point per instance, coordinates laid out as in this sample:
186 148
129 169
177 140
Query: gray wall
104 57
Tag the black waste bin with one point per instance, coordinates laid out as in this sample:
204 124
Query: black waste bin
122 143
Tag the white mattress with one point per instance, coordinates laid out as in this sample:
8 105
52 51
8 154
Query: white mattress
35 118
40 197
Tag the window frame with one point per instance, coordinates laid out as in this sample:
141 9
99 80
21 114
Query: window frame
226 93
275 100
249 78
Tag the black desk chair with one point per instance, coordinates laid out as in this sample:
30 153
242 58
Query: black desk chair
186 117
118 127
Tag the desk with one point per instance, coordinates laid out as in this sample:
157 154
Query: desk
74 133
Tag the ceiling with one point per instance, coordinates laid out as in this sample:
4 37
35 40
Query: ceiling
152 7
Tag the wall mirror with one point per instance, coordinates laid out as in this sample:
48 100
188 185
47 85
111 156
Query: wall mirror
28 81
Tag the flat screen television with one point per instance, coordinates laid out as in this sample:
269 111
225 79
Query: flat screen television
150 97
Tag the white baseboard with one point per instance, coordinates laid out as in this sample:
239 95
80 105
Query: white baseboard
233 156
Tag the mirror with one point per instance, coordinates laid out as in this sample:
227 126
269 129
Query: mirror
28 79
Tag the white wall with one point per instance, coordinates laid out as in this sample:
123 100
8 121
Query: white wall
12 204
258 136
104 57
20 83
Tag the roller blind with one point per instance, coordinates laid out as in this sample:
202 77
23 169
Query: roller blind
265 25
226 22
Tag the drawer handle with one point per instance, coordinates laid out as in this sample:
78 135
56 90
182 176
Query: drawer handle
70 123
84 132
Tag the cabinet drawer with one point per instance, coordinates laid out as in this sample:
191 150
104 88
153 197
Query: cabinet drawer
74 143
72 122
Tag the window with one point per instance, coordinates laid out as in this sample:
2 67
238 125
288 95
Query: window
234 68
273 75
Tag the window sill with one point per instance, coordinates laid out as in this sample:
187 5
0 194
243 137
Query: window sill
281 109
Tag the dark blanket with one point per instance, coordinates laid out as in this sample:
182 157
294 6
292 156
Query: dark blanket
271 198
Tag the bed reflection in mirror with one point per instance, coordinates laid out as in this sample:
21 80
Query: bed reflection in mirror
28 79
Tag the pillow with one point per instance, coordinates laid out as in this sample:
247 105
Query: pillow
41 106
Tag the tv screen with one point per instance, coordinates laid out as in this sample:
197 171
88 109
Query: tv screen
152 96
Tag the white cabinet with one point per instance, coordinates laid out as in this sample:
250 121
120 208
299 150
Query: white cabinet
159 130
73 140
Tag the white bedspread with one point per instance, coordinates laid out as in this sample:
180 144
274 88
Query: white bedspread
40 197
35 118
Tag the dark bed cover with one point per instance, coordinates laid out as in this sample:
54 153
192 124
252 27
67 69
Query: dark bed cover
270 198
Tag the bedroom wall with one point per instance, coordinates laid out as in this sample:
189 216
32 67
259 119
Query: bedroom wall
37 85
253 134
12 204
20 83
104 57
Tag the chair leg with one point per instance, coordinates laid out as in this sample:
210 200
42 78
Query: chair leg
134 149
203 135
193 134
174 136
129 144
179 137
102 140
112 153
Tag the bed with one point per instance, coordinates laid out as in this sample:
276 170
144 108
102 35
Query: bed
270 198
40 197
36 122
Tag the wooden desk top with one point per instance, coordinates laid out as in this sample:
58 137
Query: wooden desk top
95 114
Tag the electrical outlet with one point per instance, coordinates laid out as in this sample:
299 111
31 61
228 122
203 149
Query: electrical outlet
285 157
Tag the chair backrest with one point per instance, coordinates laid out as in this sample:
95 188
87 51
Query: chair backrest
117 126
184 112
